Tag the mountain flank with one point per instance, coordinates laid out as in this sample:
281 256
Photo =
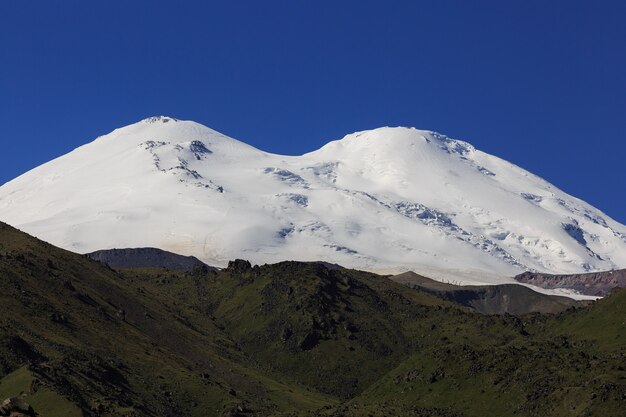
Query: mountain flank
595 283
491 299
147 258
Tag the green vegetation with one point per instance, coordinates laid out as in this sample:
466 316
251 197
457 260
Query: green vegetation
24 384
290 339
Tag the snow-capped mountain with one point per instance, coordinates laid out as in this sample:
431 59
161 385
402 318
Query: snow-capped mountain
391 199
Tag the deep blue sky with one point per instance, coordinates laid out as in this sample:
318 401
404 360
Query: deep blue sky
539 83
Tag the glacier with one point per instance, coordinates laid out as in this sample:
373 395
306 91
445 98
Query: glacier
387 200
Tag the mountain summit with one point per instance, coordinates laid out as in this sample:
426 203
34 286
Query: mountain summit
390 199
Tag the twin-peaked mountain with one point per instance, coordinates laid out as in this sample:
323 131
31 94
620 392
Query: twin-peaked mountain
389 199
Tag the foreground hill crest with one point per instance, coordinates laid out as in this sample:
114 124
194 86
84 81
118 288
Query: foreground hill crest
389 199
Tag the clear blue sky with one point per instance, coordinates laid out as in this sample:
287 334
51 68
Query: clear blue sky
539 83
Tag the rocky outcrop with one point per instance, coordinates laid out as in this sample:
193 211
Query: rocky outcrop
598 284
16 407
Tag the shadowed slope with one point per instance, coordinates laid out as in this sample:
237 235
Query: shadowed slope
146 258
491 299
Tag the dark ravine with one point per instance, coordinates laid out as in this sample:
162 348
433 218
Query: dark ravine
146 258
491 299
598 284
290 339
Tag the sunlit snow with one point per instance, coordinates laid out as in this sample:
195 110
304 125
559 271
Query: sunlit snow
389 199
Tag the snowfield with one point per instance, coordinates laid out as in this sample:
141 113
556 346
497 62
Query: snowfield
388 200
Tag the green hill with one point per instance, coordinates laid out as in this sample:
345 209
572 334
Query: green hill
289 339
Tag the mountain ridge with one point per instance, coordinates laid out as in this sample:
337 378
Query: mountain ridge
492 299
120 258
431 204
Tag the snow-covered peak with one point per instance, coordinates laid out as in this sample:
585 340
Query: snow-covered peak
388 199
398 143
170 132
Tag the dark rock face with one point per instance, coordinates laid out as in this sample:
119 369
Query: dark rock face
596 283
146 258
239 266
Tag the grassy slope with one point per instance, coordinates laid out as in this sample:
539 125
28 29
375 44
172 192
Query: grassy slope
306 324
23 383
571 364
98 340
291 339
397 351
604 323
